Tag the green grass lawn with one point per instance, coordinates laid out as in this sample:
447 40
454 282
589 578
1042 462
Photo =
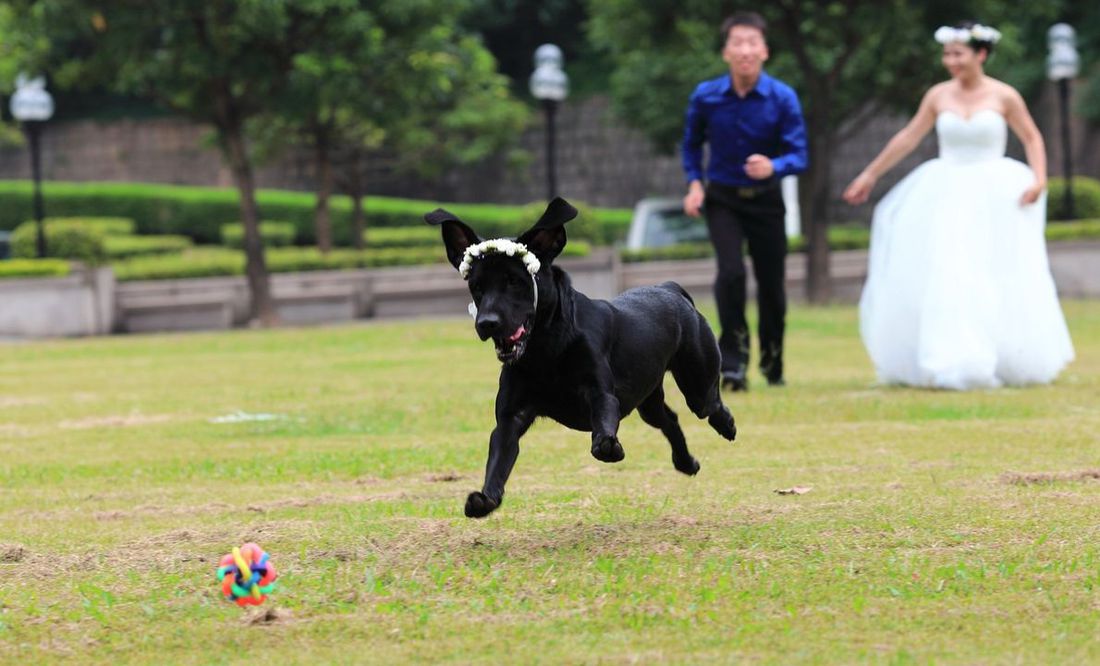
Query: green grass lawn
923 538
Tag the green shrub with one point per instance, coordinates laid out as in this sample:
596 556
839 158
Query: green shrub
577 248
210 261
193 263
424 236
28 268
848 237
675 252
104 226
274 234
588 225
63 241
125 247
195 211
1086 198
1076 230
214 261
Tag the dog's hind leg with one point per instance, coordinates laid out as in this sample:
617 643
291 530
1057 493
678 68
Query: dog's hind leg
695 369
656 413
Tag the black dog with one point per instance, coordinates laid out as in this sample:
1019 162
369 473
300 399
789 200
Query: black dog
584 363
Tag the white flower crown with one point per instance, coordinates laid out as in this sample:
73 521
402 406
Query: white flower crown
498 246
976 33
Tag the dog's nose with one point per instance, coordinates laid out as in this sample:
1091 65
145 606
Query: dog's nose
488 324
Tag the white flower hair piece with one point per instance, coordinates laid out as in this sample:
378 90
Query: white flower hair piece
978 33
498 246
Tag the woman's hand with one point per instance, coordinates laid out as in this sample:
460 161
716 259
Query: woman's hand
859 190
1031 194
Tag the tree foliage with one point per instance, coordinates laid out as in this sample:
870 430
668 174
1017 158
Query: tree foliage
513 29
401 77
337 74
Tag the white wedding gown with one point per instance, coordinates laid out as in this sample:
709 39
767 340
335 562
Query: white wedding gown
959 293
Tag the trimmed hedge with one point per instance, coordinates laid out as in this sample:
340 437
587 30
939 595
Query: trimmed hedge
198 212
402 237
216 261
1086 198
677 252
841 237
586 226
126 247
105 226
32 268
1075 230
63 241
274 234
846 237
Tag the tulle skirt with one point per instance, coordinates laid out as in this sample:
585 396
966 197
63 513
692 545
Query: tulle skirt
959 293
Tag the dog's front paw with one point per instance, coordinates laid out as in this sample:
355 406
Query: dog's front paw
479 505
722 422
606 448
686 465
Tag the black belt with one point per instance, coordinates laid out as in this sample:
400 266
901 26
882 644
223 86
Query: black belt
748 191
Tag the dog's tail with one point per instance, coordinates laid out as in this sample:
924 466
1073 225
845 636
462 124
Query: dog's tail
676 288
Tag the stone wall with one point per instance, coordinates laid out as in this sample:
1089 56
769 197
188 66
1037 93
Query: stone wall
600 160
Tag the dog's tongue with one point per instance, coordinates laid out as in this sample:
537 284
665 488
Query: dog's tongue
518 334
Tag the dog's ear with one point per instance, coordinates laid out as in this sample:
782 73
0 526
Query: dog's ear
547 238
456 235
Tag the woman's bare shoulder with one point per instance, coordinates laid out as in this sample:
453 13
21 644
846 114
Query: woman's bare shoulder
935 95
1004 90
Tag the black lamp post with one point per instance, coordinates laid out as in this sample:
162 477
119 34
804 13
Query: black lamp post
32 106
549 85
1062 66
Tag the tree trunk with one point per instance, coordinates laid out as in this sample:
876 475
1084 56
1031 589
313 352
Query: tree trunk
358 220
322 220
816 204
262 307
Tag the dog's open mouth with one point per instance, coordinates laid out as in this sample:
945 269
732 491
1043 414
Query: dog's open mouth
511 347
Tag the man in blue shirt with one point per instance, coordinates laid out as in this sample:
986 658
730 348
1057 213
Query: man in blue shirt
753 125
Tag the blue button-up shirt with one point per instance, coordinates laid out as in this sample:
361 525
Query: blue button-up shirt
768 121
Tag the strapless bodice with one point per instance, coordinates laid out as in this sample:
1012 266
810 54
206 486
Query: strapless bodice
982 136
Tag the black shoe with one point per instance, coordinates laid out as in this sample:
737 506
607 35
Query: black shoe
771 365
735 380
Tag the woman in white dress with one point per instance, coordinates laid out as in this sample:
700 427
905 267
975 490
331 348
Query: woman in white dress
959 293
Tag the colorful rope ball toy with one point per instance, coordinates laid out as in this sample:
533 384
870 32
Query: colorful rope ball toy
246 575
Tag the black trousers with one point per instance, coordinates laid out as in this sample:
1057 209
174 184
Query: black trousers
735 215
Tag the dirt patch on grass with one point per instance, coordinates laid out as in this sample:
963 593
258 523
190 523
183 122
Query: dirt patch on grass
19 401
175 549
267 617
1048 478
158 510
12 552
114 421
12 430
302 502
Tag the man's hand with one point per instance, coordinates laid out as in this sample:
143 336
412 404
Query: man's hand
759 167
693 201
